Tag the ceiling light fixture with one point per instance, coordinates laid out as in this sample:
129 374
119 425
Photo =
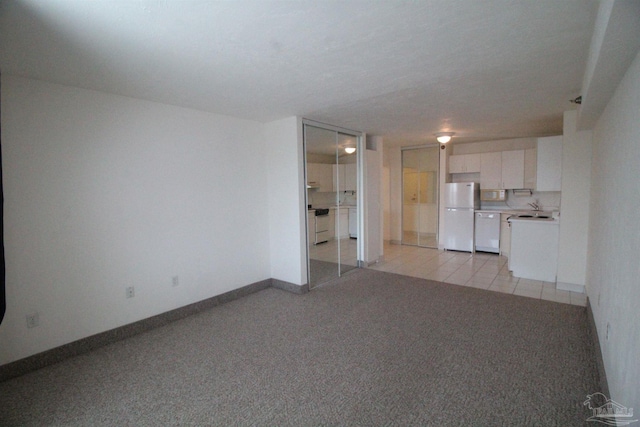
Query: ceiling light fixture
444 137
350 150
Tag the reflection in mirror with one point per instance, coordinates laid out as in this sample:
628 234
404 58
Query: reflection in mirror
347 223
331 196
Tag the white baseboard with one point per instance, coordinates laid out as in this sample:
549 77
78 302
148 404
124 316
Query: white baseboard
573 287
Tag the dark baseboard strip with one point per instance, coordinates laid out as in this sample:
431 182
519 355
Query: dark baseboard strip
604 385
289 287
84 345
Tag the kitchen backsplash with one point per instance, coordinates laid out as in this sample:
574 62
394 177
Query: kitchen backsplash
317 198
547 200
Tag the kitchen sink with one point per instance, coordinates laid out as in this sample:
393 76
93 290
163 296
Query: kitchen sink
535 216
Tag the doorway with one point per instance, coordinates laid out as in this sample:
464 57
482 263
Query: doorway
420 201
331 172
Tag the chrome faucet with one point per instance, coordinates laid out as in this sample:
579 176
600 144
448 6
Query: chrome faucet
535 206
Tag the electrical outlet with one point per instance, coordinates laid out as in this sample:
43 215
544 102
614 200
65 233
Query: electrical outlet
175 281
608 330
33 320
130 292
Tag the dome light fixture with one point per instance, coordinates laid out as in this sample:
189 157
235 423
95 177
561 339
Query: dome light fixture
444 137
350 150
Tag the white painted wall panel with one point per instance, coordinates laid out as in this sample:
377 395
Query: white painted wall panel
614 240
103 192
574 207
286 208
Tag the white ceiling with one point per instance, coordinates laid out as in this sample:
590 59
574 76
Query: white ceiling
486 69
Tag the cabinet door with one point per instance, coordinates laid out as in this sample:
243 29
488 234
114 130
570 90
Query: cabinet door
530 163
332 224
311 228
320 176
491 170
351 177
513 169
457 164
472 163
339 177
312 174
342 224
549 164
325 177
464 163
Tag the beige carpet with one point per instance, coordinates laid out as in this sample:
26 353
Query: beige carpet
371 348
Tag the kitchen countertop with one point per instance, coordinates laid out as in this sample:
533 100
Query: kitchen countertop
333 207
550 221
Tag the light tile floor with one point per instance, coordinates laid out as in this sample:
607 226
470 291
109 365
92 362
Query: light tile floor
478 270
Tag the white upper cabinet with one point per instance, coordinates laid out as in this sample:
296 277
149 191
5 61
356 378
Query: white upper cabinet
549 170
502 169
320 176
351 177
338 177
530 166
464 163
513 169
344 177
491 170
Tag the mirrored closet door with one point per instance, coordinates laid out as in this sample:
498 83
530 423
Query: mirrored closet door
331 173
420 204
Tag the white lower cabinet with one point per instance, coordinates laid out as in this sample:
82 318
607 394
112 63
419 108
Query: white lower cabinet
311 227
342 225
332 224
534 250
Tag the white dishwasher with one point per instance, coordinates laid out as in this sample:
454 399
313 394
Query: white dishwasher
488 231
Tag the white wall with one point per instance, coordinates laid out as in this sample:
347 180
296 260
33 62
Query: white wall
286 208
393 160
613 275
372 200
386 203
574 208
444 178
103 192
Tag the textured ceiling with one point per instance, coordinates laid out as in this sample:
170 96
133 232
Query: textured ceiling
485 69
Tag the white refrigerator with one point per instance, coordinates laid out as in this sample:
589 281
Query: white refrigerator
461 199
